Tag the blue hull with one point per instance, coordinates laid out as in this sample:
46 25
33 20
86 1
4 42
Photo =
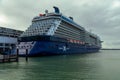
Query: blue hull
41 48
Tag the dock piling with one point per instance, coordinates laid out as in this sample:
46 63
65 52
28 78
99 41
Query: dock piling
17 55
26 55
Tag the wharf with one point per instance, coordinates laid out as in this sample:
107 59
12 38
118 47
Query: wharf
8 58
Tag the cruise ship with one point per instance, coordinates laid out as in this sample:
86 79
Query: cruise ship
55 34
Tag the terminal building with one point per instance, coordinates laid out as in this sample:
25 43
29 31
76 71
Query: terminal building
8 39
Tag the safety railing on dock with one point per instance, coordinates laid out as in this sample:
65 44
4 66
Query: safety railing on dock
8 58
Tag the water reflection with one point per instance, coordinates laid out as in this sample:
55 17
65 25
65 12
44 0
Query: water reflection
63 67
94 66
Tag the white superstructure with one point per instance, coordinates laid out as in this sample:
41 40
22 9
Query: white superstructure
56 24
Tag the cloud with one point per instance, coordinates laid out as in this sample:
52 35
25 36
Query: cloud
100 16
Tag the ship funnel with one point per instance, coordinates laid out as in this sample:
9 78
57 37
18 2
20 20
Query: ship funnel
56 9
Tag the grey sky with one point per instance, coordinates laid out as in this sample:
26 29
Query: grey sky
100 16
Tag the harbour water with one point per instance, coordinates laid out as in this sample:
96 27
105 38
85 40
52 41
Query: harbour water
104 65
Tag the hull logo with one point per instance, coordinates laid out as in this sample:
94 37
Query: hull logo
64 48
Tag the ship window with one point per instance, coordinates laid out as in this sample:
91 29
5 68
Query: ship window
6 44
1 44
